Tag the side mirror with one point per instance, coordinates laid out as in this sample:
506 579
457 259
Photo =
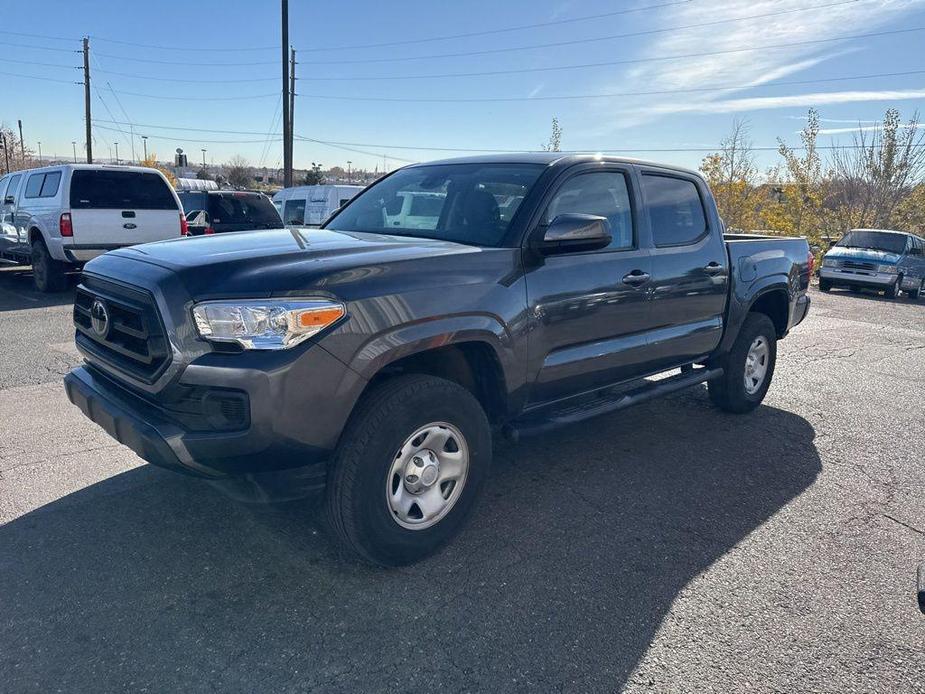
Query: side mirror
8 200
576 232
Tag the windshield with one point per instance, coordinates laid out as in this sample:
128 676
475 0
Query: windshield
874 240
466 203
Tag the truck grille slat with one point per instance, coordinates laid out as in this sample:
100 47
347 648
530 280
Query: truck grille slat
134 340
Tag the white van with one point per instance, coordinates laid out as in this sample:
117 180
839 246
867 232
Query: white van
311 205
58 217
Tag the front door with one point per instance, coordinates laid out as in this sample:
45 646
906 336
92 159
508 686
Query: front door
589 310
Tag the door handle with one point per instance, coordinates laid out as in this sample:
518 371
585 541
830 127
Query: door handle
636 278
713 268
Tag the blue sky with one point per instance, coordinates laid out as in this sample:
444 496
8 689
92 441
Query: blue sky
622 54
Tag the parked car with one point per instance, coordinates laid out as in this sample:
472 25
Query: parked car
877 259
58 217
218 211
311 205
375 363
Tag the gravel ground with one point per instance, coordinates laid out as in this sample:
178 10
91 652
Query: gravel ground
668 548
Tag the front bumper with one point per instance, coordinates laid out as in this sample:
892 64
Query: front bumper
858 277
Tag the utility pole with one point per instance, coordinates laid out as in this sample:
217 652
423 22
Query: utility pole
291 110
6 152
22 144
74 147
144 141
203 160
287 126
87 99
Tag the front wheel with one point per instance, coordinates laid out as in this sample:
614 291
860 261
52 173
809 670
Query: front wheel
748 368
408 470
914 293
892 291
824 285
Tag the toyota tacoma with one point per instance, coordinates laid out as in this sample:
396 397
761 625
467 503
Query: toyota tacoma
372 360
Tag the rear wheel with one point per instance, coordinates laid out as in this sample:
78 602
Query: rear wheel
748 368
914 293
47 273
408 470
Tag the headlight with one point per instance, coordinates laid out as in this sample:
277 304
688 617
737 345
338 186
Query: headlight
265 324
889 269
831 262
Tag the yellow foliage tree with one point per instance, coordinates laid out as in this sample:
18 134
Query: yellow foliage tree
152 163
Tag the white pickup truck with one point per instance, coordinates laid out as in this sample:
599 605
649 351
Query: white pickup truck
58 217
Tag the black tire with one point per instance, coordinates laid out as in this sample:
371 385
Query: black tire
892 291
824 285
914 293
728 392
47 273
356 504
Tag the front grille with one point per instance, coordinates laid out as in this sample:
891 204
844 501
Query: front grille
132 339
859 265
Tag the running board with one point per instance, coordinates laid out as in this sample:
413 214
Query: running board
606 402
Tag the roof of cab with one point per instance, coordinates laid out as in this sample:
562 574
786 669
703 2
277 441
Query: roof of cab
553 159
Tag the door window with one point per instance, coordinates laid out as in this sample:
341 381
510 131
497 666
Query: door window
34 185
14 186
601 193
675 210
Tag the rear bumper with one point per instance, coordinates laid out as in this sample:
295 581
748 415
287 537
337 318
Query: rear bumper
858 277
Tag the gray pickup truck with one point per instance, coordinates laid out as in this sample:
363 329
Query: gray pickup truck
373 359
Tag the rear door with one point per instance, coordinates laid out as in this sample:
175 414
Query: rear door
241 211
690 267
111 208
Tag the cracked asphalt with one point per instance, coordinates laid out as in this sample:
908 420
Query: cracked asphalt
668 548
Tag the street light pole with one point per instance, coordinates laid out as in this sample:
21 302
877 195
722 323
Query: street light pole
117 151
74 147
349 177
203 160
40 153
144 141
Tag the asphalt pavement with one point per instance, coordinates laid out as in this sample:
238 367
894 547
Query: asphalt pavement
666 548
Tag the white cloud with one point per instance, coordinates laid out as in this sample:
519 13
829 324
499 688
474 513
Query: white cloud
768 102
866 128
751 68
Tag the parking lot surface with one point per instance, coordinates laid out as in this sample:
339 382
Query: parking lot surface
665 548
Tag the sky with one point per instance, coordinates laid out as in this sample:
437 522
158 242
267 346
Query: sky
384 83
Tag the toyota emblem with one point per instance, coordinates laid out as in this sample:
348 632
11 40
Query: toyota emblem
99 317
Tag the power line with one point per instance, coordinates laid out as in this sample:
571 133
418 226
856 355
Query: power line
37 77
610 95
32 62
490 32
609 63
39 36
573 42
184 62
39 48
198 98
187 139
236 49
188 81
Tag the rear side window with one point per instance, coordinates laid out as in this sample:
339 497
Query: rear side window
50 185
294 212
120 190
34 185
675 210
242 209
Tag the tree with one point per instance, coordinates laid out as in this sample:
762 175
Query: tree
239 172
15 150
732 175
313 177
555 137
203 175
151 163
878 173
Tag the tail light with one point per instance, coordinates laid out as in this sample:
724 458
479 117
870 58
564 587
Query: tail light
209 230
65 226
811 262
184 227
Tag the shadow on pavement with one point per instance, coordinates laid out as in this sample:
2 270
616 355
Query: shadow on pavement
583 540
18 292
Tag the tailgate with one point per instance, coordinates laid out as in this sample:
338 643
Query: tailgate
122 207
123 227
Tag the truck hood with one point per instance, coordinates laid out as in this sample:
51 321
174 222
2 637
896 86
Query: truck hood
868 254
290 261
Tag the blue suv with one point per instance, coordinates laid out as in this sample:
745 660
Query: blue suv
878 259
